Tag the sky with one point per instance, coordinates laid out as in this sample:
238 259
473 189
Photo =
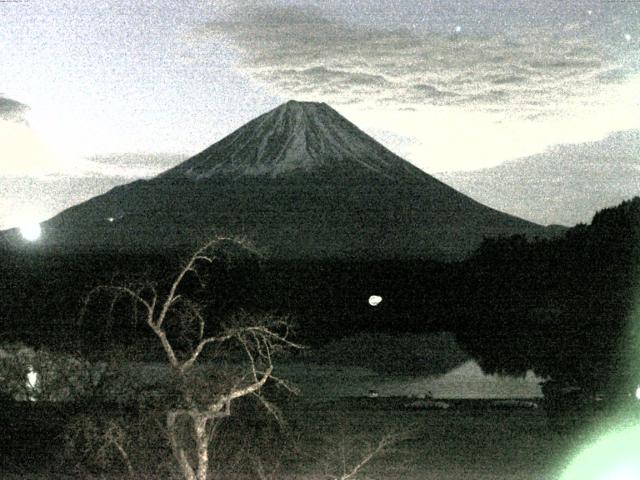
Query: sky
98 93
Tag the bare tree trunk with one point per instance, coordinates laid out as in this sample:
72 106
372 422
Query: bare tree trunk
202 445
178 451
125 459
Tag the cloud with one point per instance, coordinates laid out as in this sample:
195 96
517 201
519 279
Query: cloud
463 100
12 110
22 151
130 165
302 52
335 77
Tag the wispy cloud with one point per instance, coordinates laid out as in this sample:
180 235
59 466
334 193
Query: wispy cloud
301 52
130 165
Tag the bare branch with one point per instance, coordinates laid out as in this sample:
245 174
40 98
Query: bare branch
224 401
382 444
271 408
116 436
189 267
188 364
252 361
119 291
286 385
166 345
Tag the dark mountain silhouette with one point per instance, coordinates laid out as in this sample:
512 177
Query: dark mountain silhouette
300 181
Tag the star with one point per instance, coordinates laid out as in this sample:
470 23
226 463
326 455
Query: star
589 12
627 37
458 28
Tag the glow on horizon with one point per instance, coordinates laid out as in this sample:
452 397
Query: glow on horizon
31 231
24 152
613 456
67 139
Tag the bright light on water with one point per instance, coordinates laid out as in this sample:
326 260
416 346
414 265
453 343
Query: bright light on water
32 383
32 379
31 231
638 392
374 300
614 456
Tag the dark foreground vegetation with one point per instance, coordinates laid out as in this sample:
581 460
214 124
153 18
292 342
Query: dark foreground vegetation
470 440
564 308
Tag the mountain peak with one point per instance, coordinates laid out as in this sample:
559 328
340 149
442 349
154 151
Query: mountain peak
302 104
296 138
293 106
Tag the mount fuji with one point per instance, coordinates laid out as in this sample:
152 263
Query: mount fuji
300 181
297 138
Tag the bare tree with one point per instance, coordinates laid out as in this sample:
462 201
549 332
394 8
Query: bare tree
206 390
349 457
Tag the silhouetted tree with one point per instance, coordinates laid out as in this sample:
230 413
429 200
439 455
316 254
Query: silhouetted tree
239 352
563 308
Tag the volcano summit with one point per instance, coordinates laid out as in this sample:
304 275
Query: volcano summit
300 181
297 138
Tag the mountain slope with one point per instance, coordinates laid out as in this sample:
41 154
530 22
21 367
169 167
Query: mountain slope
301 181
564 185
296 138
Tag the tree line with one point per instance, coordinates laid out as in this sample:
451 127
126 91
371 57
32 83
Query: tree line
563 307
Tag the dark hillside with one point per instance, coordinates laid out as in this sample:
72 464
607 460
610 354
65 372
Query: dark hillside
565 308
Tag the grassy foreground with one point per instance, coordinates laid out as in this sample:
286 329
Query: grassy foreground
466 441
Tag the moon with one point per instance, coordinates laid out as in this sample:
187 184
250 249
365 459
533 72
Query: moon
31 231
374 300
